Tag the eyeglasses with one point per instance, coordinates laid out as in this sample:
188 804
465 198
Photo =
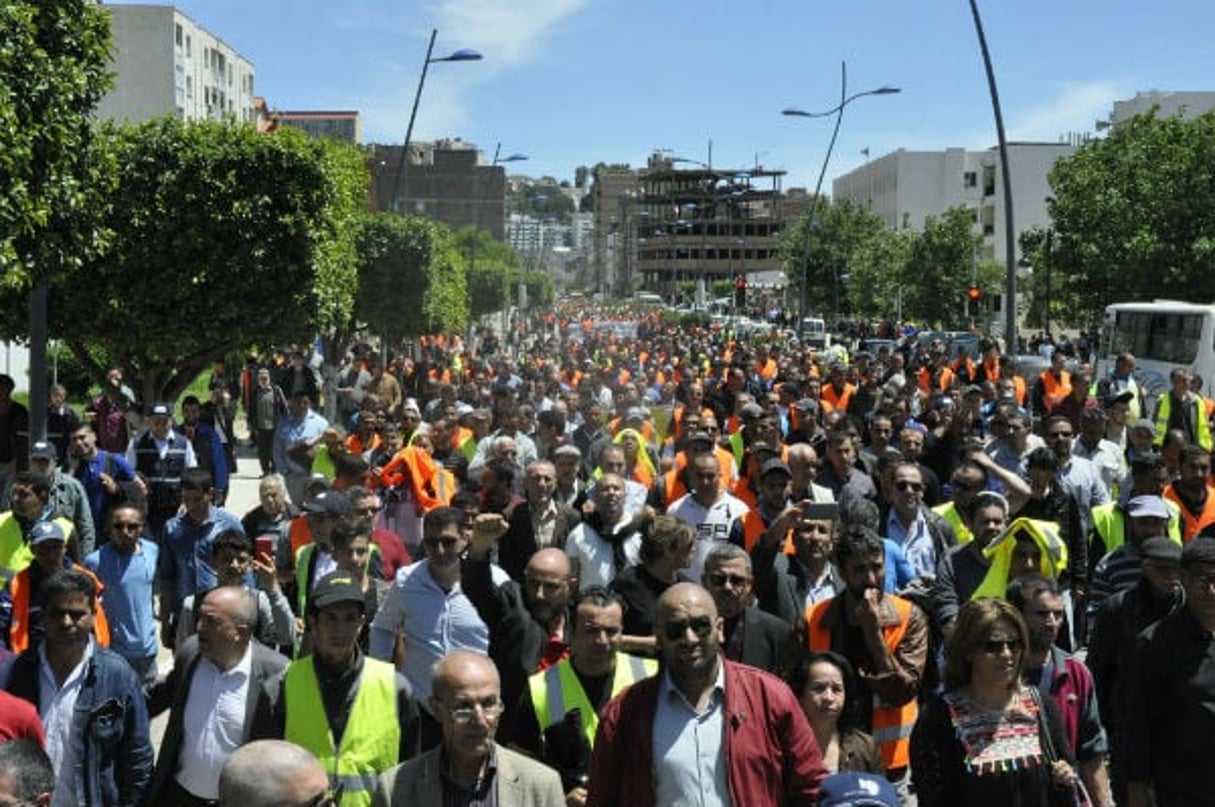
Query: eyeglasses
994 647
903 486
489 709
721 578
702 626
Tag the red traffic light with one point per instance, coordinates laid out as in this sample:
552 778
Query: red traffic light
740 282
974 293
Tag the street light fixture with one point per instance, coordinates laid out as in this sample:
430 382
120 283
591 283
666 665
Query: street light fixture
838 111
510 158
461 55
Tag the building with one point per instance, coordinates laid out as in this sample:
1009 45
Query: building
905 187
613 189
166 64
1186 105
343 125
445 180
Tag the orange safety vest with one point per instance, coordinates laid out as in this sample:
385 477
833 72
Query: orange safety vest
837 400
432 486
1054 391
754 527
892 725
300 534
1192 524
19 630
944 382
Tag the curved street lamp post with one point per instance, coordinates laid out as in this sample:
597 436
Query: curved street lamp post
838 112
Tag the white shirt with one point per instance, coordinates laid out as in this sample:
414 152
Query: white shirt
595 561
712 524
214 724
57 706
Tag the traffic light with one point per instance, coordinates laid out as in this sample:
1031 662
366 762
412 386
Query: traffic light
974 293
740 292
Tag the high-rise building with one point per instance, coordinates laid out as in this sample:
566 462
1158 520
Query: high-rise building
905 187
166 64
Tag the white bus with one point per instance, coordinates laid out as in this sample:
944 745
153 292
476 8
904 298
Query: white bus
1161 335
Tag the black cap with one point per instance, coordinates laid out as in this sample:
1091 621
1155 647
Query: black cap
857 789
334 588
775 465
699 437
1117 397
1200 551
1160 548
43 450
329 502
160 410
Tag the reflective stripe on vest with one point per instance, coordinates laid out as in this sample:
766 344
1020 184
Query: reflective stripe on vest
371 741
892 725
557 691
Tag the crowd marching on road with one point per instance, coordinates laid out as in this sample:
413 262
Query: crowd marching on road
607 559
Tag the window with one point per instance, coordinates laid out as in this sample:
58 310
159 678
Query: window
187 46
189 86
970 179
177 34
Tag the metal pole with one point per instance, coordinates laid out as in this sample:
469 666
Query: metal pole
1010 245
413 114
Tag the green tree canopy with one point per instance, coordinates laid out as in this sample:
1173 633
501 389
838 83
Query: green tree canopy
491 265
411 277
940 268
219 238
1134 217
822 252
53 56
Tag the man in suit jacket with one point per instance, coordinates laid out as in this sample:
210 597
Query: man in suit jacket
204 730
467 701
752 636
538 523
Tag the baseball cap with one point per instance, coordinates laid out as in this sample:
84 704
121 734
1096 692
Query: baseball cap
699 437
567 450
762 447
1160 548
160 410
1117 397
775 465
1144 423
46 531
43 450
1199 552
635 413
329 502
1147 507
751 411
857 790
334 588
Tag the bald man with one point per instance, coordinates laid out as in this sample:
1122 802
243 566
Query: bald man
272 773
650 746
528 622
469 767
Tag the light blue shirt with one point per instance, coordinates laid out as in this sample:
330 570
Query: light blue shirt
130 583
434 622
1082 479
310 427
689 748
915 541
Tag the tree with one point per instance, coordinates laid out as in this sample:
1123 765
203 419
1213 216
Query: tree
53 56
411 277
818 254
1134 217
876 273
219 238
491 265
580 176
940 268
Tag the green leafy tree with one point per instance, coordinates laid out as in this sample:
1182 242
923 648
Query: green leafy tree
940 268
821 253
220 238
1134 217
53 56
491 266
411 277
876 272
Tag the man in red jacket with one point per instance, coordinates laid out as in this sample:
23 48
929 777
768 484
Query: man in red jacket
651 743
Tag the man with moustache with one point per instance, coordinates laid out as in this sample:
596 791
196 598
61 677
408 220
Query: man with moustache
652 741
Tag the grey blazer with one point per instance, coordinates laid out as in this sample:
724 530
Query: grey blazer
521 782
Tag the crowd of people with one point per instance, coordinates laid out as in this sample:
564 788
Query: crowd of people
582 565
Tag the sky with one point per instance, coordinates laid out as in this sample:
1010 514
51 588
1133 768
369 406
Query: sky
577 82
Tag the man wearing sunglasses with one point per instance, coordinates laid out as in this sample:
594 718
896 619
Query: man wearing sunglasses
652 739
750 636
468 767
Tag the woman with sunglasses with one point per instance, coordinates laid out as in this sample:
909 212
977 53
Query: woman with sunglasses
824 683
989 739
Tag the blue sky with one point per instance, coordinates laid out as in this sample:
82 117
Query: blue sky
572 82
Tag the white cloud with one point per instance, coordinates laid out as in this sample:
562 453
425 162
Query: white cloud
508 33
1075 109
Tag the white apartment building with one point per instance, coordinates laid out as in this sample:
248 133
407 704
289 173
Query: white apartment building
905 187
1186 105
166 64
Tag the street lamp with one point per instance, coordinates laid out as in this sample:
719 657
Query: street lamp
838 111
462 55
510 158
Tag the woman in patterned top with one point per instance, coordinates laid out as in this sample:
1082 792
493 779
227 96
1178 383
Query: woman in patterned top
981 741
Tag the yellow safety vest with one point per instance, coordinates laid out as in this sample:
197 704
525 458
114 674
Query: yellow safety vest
303 586
1109 522
1201 426
1000 552
15 552
557 690
949 512
372 738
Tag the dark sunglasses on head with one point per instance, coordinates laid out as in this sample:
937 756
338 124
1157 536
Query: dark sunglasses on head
702 626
